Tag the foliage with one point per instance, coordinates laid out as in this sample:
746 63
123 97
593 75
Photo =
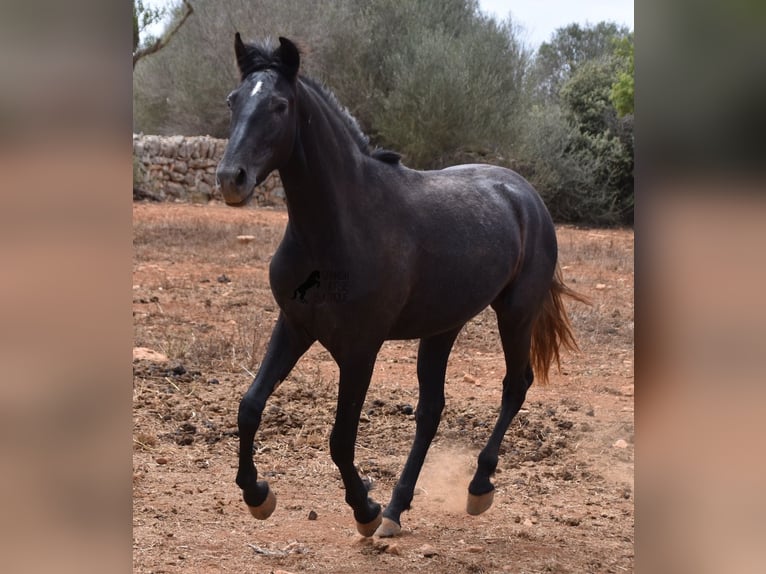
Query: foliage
148 16
557 61
578 151
440 83
143 17
435 80
623 90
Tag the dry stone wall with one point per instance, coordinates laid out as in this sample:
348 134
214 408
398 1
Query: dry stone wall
181 168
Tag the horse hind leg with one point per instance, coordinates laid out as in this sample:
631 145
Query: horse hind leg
432 367
515 334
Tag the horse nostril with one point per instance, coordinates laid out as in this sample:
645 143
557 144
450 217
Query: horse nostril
241 176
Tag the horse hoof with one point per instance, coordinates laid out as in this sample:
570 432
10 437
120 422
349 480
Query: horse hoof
478 503
369 529
388 528
264 510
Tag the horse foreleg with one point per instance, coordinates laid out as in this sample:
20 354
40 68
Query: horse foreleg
284 350
354 381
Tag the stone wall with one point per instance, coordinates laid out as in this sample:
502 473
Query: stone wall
180 168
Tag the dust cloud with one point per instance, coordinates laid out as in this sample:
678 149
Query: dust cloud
443 482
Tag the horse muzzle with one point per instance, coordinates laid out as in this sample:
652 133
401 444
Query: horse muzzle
236 186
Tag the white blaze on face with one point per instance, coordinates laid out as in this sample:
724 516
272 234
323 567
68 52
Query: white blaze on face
257 88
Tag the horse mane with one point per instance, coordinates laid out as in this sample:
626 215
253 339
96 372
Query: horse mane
263 55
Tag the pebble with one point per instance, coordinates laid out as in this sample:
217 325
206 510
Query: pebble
146 354
245 238
470 379
427 551
161 460
393 549
474 548
312 515
620 444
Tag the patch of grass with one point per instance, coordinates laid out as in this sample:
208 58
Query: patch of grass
203 240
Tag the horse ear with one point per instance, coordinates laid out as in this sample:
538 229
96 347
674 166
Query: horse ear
241 51
289 56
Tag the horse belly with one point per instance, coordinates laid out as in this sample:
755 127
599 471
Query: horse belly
447 298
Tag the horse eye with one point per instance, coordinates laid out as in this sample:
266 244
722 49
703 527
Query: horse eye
280 106
228 101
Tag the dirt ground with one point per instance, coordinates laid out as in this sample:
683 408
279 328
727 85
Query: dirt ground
201 302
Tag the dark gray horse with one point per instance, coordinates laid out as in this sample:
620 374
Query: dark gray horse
419 253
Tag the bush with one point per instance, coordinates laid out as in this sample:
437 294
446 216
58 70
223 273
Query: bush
578 152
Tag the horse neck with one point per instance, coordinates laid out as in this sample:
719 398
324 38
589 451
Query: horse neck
321 178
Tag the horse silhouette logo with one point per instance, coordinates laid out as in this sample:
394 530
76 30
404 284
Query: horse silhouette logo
311 281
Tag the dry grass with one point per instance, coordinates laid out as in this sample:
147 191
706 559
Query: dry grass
202 240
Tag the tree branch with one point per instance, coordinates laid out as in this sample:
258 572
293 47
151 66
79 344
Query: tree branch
163 41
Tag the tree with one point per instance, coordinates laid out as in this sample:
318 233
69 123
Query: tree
622 92
434 79
143 17
578 151
571 46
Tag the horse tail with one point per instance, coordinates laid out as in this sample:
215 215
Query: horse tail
552 329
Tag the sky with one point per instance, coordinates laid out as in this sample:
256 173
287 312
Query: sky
540 18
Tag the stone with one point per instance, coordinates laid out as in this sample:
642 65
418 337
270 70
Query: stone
146 354
175 190
209 179
393 549
205 189
152 146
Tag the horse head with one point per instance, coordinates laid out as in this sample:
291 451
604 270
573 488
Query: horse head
263 117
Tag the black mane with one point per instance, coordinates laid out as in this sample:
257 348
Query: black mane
264 55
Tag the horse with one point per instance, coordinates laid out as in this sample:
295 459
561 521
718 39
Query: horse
421 253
